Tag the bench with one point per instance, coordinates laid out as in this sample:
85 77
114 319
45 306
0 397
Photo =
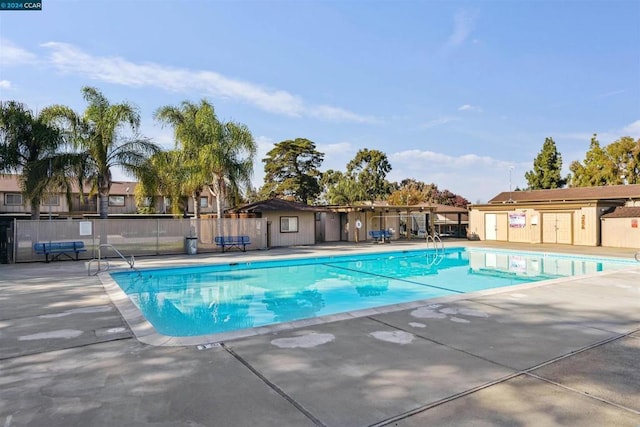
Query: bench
239 242
380 236
57 249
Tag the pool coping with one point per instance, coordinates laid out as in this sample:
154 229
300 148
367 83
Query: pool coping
145 332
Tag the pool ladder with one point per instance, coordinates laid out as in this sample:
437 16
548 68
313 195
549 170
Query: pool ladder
637 256
131 261
438 248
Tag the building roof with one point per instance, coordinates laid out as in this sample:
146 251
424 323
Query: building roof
453 217
609 192
624 212
437 208
276 205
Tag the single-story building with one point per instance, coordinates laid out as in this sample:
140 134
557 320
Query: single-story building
292 223
288 223
620 228
571 216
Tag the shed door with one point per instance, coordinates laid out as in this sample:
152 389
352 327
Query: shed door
490 227
502 227
556 228
563 220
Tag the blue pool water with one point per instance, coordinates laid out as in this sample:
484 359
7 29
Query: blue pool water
190 301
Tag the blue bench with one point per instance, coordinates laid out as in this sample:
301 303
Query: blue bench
239 242
380 235
57 249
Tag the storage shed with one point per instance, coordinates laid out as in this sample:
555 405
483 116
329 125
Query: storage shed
569 216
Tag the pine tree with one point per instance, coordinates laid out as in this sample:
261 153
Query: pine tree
547 167
291 171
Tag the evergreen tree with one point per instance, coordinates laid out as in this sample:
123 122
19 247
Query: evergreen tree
547 167
597 169
291 171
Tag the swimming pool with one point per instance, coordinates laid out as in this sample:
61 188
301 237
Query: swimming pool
194 301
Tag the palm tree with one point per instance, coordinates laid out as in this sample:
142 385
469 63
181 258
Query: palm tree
97 134
216 155
164 174
29 146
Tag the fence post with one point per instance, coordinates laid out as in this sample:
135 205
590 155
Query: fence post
157 236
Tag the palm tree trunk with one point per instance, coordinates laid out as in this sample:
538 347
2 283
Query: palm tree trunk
35 208
196 204
103 206
104 186
218 196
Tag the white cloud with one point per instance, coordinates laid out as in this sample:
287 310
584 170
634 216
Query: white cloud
5 84
69 59
477 178
608 94
10 54
437 122
632 130
463 23
327 112
469 107
605 137
343 149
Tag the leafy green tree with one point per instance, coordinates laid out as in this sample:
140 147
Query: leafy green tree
369 169
29 147
409 192
217 155
625 157
547 168
291 171
340 188
412 192
597 169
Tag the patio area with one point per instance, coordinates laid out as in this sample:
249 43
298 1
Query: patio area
549 354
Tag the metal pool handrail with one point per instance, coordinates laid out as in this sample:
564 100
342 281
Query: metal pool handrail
131 261
435 239
637 256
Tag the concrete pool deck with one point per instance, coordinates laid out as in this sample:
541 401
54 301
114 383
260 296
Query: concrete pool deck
561 353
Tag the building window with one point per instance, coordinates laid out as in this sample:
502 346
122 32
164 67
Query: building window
13 199
116 200
288 224
204 202
51 200
318 216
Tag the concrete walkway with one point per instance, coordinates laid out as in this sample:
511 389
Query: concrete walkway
564 353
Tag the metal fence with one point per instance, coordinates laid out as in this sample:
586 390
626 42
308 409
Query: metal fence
145 236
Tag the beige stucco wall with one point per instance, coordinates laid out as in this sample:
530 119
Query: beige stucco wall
306 228
584 226
61 207
620 233
364 218
329 227
476 223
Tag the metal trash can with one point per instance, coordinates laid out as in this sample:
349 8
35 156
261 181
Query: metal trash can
191 245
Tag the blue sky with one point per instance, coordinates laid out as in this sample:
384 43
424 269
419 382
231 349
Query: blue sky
455 93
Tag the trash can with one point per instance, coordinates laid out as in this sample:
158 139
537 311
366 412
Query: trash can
191 245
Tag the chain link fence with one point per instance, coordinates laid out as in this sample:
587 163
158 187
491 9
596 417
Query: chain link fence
138 237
